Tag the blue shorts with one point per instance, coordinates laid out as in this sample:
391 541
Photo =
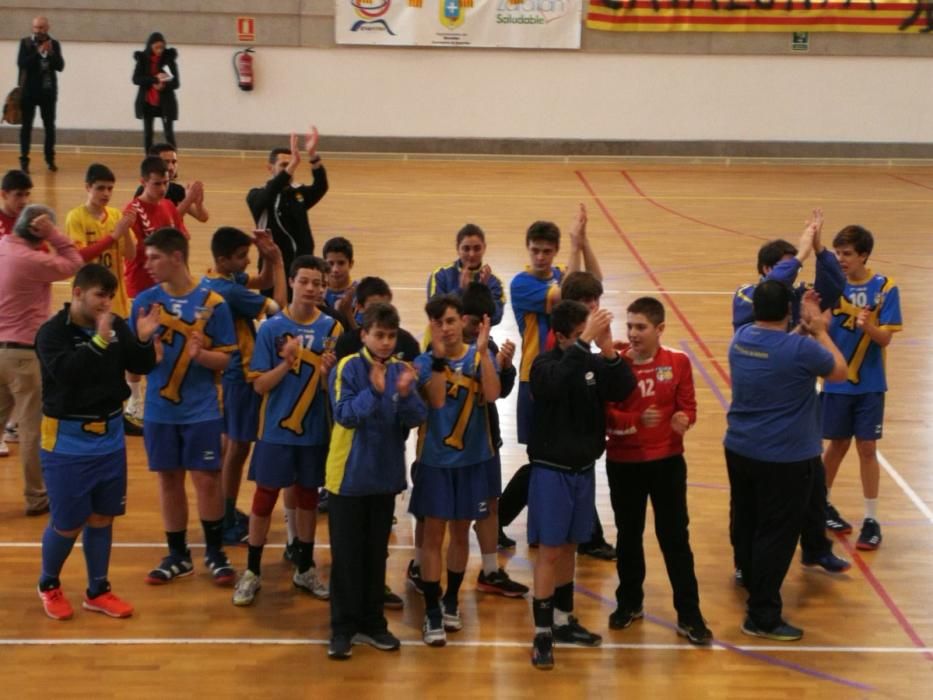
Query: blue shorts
524 413
81 486
493 469
241 411
848 415
449 494
560 506
193 446
281 466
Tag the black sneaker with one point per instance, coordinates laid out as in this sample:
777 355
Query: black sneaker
291 552
241 518
500 583
414 577
383 641
322 502
621 619
217 563
598 550
835 522
829 561
132 426
783 632
696 632
542 652
505 542
52 167
172 567
575 633
390 601
870 537
236 534
340 647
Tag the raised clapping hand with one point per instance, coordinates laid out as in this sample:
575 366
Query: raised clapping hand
578 229
266 245
506 353
377 376
405 381
105 325
311 139
816 221
294 154
289 351
482 338
147 322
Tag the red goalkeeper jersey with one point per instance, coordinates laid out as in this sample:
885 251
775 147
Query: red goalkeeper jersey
666 382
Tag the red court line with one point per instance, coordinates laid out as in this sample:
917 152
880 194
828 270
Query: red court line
681 215
685 216
883 594
671 304
909 181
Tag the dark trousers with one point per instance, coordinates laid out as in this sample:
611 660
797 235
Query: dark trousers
514 499
813 540
769 500
664 481
150 114
46 105
359 538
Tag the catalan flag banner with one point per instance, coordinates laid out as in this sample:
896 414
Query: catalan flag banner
513 24
867 16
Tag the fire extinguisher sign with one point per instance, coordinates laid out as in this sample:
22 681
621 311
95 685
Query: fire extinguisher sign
246 28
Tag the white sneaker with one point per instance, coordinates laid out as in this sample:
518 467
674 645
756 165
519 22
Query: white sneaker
452 620
11 432
433 634
4 450
308 581
247 588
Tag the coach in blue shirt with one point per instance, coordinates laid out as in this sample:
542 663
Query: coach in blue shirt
773 444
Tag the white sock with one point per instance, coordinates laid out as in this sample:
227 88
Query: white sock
135 391
871 508
490 563
418 556
291 524
544 630
561 617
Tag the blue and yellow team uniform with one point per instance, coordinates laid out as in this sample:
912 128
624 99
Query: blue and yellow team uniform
183 412
82 447
532 300
332 296
367 445
240 402
294 422
856 406
446 280
454 444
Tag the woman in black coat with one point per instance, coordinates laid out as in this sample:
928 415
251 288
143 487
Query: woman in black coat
156 74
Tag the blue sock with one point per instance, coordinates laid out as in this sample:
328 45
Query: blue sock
55 550
97 542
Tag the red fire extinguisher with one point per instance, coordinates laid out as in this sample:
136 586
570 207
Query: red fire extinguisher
243 67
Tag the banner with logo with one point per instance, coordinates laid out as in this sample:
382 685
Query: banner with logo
514 24
760 16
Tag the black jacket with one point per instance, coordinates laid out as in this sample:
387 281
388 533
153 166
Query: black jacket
570 391
78 378
286 210
30 64
144 78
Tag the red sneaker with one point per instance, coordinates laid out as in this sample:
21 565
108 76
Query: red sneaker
108 604
55 603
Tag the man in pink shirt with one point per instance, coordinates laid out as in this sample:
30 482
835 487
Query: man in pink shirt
26 276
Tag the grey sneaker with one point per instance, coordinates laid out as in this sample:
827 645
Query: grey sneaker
308 581
247 588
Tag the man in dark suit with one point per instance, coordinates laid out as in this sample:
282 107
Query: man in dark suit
40 58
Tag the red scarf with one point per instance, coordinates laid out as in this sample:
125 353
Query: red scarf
153 95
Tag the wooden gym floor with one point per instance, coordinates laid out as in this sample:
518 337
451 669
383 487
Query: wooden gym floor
686 232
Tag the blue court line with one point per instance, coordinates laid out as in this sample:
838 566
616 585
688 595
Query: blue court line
789 665
695 361
757 655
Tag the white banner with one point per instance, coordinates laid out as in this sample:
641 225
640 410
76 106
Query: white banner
526 24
